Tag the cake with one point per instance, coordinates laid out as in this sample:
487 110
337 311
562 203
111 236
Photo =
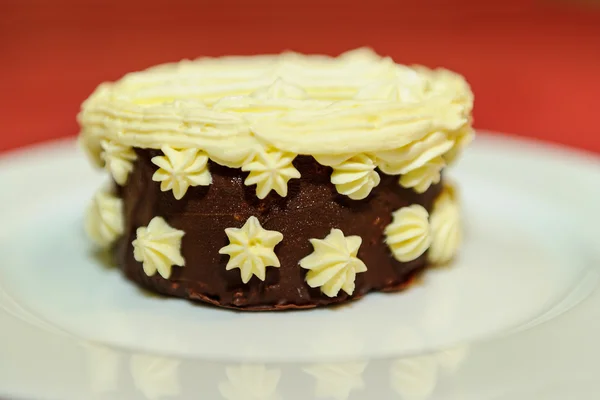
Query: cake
277 182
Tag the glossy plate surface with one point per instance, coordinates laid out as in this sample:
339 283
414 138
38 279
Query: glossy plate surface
527 273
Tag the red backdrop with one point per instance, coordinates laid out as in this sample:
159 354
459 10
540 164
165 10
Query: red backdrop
534 66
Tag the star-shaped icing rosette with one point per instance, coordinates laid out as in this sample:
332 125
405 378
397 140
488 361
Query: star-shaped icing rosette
271 169
333 264
251 249
158 248
180 169
118 160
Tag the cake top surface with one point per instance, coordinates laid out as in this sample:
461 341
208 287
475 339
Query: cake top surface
355 103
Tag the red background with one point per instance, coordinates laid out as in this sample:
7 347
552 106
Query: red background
534 66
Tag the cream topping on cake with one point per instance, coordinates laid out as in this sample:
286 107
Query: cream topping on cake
420 179
409 234
446 227
118 160
355 177
316 105
104 218
251 248
333 264
180 169
158 247
270 169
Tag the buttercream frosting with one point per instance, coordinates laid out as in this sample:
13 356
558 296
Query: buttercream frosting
118 160
420 179
356 103
408 236
462 139
104 218
415 154
158 247
355 177
180 169
333 264
251 248
446 229
270 170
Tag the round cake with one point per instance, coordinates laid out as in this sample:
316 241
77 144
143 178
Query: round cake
277 181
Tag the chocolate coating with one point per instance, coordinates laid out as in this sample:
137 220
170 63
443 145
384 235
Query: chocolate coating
312 208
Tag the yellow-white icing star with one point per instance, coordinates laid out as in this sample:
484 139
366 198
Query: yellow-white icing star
408 236
421 158
180 169
158 247
118 160
462 139
104 218
420 179
337 381
92 148
355 177
250 382
446 229
251 249
333 264
270 169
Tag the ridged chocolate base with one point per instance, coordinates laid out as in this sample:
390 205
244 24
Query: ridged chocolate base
312 208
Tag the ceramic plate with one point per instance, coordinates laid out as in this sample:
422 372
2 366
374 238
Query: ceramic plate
515 317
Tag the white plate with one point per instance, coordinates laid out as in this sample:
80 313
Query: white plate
472 331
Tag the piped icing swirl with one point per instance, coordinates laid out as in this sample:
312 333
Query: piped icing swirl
232 107
104 218
446 227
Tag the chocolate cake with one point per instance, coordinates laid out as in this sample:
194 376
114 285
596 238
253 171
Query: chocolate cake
278 181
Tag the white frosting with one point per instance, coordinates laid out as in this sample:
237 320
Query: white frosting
333 264
118 160
355 177
462 139
104 218
158 247
92 148
251 249
180 169
420 179
408 236
355 103
280 90
415 155
250 382
269 170
446 229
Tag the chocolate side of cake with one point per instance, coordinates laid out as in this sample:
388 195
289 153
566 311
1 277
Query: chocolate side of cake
310 210
281 181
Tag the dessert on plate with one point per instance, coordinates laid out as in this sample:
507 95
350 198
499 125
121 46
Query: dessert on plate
277 181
